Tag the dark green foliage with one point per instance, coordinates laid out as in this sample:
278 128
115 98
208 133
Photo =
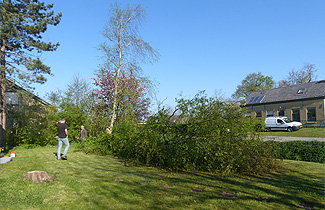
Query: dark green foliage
96 145
22 23
213 138
34 123
124 140
30 123
253 82
74 116
311 151
259 124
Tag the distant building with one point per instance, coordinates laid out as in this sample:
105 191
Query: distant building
304 103
12 98
14 101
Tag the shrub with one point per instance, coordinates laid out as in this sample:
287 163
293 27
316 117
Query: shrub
259 124
75 117
214 136
30 123
99 145
311 151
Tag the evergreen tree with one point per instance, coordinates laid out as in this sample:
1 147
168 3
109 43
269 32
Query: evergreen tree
21 24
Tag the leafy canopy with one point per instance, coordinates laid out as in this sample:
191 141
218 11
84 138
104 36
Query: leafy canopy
123 51
253 82
21 26
124 47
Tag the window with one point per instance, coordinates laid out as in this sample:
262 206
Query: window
287 120
301 91
279 121
258 114
11 98
269 113
311 114
12 123
281 113
295 115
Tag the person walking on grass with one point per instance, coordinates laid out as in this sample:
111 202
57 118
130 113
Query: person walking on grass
62 138
83 134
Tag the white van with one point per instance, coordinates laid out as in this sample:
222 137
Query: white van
281 123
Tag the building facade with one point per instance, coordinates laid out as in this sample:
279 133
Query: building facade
304 103
17 98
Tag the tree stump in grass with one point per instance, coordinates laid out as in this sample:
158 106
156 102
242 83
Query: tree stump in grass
38 176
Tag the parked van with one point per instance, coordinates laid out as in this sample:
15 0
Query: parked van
281 123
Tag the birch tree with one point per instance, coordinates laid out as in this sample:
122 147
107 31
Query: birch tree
124 49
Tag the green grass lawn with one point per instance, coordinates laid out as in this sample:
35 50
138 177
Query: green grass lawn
104 182
304 132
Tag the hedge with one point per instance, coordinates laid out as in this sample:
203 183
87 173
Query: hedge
311 151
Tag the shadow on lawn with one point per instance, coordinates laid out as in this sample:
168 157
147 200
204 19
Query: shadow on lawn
155 189
282 188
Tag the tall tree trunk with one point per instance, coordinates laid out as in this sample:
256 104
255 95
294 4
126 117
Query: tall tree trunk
3 95
120 48
115 101
116 89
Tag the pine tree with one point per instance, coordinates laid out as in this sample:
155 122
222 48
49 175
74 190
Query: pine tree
21 24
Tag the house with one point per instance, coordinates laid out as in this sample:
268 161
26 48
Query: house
12 98
17 98
22 108
303 102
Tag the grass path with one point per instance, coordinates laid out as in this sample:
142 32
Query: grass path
291 138
310 133
97 182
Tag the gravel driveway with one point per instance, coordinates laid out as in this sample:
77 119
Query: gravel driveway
286 138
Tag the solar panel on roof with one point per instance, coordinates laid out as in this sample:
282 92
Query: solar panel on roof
259 99
256 99
251 100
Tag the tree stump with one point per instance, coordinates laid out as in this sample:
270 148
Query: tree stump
38 176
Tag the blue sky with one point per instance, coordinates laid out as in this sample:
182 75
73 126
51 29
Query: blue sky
204 44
